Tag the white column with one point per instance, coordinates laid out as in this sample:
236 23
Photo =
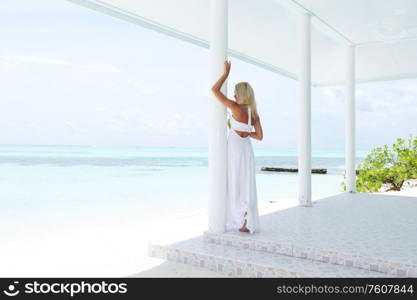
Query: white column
350 120
217 144
304 131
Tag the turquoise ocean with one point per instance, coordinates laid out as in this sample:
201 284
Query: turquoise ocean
61 185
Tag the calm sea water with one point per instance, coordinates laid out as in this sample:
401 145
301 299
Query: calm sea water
58 185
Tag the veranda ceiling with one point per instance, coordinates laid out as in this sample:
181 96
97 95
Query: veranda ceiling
264 32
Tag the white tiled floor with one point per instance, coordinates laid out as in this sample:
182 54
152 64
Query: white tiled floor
375 229
380 226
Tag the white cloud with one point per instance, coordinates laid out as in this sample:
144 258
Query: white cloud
7 66
115 126
117 109
29 59
142 87
134 85
72 126
332 92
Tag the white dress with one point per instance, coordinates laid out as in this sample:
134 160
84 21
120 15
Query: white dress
241 179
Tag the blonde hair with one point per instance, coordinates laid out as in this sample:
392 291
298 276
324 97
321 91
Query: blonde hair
246 96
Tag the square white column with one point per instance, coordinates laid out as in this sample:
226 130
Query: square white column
217 144
350 120
304 130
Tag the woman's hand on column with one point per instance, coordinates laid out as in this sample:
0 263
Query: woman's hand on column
227 66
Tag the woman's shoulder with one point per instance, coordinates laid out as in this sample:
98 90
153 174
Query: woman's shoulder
239 109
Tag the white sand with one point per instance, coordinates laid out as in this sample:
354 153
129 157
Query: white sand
408 189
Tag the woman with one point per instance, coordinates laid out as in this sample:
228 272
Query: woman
242 202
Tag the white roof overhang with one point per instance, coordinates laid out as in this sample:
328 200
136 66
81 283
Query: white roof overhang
264 32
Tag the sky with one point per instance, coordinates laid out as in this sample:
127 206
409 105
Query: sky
73 76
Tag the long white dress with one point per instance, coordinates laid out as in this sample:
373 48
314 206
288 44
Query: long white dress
241 179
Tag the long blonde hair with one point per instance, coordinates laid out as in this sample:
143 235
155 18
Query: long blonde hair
246 96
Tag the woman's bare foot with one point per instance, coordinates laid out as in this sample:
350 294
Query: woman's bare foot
244 228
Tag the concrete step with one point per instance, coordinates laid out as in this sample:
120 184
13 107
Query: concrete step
353 260
245 262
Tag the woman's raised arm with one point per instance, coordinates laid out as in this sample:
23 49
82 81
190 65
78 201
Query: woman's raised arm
217 86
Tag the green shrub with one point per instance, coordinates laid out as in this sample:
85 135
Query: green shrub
390 167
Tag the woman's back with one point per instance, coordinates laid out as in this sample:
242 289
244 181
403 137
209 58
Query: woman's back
242 123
